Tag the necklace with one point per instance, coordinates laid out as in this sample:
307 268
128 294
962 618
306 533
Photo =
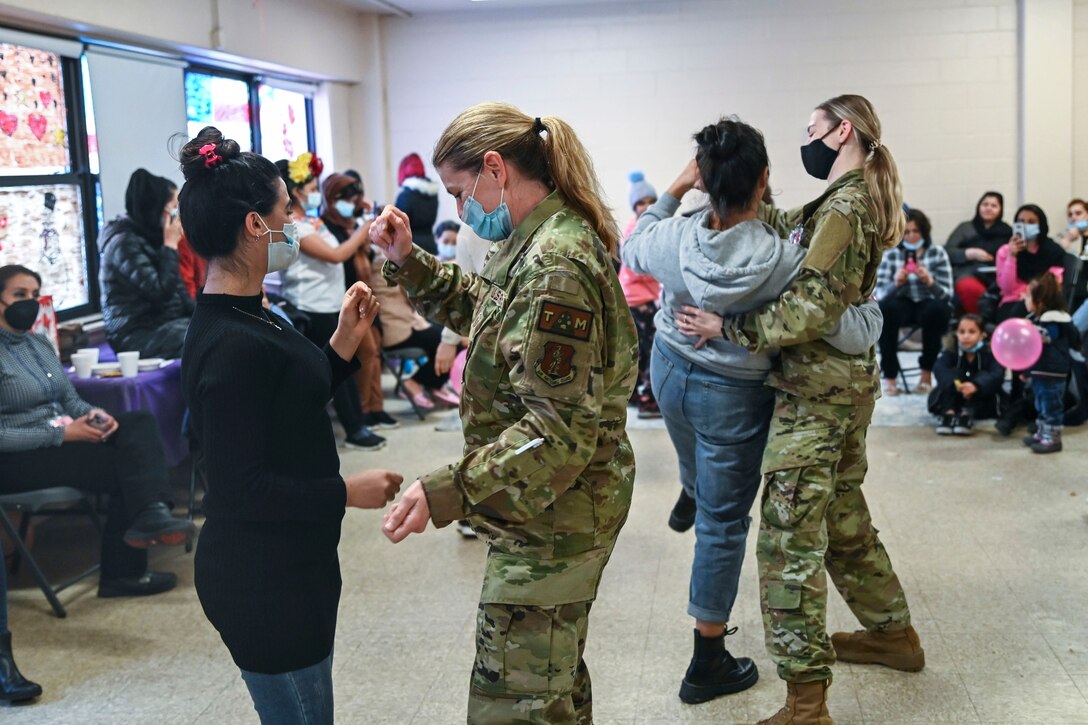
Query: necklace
262 318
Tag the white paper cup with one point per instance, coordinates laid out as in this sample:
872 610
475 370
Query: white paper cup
83 363
130 363
91 352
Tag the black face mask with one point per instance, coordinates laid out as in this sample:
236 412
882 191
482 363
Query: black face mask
21 315
818 157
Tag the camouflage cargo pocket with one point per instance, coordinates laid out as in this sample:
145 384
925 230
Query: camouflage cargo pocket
524 651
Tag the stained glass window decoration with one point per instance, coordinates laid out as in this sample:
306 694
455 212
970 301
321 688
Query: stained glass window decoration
41 228
284 130
212 100
33 117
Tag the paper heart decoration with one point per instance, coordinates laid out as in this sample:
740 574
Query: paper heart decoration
46 97
37 124
8 122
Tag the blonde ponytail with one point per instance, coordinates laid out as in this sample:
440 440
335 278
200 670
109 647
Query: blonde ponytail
881 172
545 149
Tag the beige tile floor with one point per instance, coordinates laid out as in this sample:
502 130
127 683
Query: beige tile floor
989 540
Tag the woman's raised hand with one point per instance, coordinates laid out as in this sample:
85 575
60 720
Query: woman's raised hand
357 314
690 178
392 233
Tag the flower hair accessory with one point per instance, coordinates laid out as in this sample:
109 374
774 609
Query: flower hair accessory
211 159
307 166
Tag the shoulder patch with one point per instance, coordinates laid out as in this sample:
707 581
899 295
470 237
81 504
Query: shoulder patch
564 320
556 364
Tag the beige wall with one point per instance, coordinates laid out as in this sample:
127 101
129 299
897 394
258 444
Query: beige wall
637 81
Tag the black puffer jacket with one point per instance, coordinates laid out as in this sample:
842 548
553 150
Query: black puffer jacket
141 287
418 198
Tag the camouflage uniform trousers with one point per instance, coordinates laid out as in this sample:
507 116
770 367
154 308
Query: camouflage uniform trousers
529 666
815 516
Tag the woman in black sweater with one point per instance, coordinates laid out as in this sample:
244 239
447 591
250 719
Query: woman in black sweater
267 572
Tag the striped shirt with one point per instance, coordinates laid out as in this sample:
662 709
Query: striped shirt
34 391
935 260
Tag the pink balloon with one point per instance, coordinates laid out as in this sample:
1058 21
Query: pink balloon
1017 344
457 372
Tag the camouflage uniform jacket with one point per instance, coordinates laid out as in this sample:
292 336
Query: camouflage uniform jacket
839 270
548 470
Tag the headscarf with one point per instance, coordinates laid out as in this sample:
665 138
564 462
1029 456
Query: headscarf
335 187
411 165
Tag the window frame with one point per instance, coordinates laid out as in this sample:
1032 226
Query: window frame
254 81
79 175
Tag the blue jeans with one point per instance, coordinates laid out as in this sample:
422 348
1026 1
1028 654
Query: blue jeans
1049 403
718 426
1080 318
300 697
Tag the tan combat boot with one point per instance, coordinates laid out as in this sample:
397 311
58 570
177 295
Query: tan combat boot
899 649
806 704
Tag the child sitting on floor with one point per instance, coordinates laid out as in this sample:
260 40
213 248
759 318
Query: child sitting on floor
1046 308
968 380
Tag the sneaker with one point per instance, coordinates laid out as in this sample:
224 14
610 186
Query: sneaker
419 400
648 410
450 424
944 428
154 525
380 420
150 582
963 425
446 397
464 528
1048 443
1004 426
1030 439
366 440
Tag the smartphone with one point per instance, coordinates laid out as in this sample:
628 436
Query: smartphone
1019 229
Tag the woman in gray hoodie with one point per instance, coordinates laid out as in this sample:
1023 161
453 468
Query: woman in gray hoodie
711 392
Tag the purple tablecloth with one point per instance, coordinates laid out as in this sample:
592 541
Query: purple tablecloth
157 391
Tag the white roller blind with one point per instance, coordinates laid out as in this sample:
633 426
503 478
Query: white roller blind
139 104
60 46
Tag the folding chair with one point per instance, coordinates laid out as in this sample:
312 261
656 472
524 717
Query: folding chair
395 361
51 501
905 334
1072 268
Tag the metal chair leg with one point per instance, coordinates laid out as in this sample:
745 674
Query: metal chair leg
39 576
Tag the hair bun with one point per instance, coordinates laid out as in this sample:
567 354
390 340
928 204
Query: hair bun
195 165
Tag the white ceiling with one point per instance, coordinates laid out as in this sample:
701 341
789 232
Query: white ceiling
424 7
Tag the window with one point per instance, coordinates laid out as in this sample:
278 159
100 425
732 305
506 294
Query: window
285 123
272 118
222 102
47 210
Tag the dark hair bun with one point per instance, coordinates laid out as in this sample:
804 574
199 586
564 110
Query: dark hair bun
195 164
731 157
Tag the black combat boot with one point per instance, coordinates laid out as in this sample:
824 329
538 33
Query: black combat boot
13 686
714 672
682 517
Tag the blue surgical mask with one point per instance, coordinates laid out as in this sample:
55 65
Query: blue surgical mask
914 247
446 252
313 200
1031 231
345 208
282 255
975 348
1081 225
494 225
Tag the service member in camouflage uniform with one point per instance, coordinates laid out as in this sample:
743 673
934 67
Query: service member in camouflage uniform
814 515
548 470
